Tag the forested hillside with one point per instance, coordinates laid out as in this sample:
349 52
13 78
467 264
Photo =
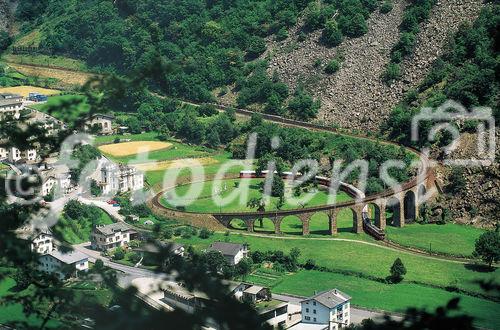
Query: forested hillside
211 44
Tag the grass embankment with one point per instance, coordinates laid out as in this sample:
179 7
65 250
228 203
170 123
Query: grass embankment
78 231
449 239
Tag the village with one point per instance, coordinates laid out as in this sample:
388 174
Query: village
324 310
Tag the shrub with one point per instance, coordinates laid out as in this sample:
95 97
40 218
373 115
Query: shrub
99 264
118 254
331 36
282 34
392 72
134 257
332 67
488 247
386 7
310 264
398 270
204 233
353 26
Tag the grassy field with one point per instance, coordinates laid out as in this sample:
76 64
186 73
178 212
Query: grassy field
389 297
363 258
76 232
205 202
449 239
68 113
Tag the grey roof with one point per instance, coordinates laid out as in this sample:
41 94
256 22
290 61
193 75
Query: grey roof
330 298
112 228
254 289
229 249
70 257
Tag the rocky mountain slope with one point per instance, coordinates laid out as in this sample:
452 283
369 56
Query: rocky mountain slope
355 97
7 7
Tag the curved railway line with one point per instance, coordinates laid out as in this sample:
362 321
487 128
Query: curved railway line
418 187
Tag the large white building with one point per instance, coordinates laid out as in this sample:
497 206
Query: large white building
10 105
105 237
118 178
63 265
326 310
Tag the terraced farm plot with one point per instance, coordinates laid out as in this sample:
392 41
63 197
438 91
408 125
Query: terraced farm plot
64 77
133 147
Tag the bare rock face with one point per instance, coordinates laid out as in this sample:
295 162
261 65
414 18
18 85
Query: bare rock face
355 97
478 202
7 8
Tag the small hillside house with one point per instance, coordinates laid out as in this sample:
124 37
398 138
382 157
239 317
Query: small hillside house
105 237
100 124
231 251
63 265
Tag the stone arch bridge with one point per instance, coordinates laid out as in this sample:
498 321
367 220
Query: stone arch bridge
403 203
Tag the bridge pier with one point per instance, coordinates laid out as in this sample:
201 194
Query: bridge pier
358 219
305 218
332 222
383 221
250 224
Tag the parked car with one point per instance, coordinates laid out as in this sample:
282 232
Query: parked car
112 201
116 205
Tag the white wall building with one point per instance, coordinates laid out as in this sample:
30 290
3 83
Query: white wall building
105 237
43 243
10 105
63 265
14 154
326 310
231 251
118 178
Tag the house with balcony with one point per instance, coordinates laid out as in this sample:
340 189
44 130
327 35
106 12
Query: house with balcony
106 237
63 265
326 310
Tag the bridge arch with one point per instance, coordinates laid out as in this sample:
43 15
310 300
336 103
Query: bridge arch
349 219
238 224
410 206
291 225
373 213
263 225
319 224
393 212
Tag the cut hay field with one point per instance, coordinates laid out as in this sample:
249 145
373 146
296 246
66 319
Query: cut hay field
25 90
64 77
134 147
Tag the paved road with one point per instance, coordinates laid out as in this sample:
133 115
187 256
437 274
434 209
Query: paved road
357 314
108 208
